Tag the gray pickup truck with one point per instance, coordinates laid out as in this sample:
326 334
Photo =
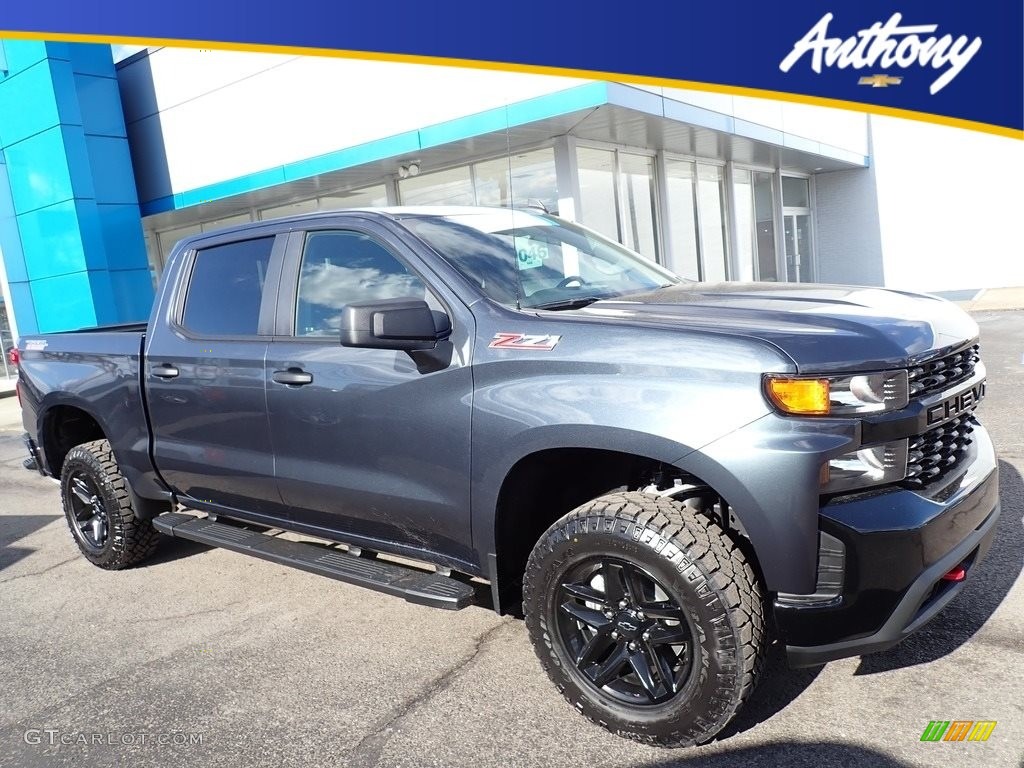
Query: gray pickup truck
664 477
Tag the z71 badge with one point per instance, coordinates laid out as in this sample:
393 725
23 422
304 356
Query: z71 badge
523 341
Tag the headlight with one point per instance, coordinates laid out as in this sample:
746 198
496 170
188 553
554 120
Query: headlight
877 465
839 395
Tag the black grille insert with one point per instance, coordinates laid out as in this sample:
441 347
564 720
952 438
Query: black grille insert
941 373
937 451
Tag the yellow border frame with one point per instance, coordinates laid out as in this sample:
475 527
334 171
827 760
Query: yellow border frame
535 69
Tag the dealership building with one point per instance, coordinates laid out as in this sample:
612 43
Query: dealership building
108 157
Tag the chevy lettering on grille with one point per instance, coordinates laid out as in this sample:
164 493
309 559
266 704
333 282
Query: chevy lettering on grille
955 405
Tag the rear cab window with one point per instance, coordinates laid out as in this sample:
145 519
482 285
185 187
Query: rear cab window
225 289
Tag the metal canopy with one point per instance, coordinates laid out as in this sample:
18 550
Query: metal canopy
630 118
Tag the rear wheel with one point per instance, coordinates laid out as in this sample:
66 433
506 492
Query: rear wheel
98 509
647 617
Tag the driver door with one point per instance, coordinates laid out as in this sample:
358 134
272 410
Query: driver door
370 445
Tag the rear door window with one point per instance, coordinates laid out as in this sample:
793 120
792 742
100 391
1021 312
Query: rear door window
226 288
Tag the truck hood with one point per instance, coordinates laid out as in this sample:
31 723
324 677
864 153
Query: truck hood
823 328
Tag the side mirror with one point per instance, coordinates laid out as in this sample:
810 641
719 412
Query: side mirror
407 324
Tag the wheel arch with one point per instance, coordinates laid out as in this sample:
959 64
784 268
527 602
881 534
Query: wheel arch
62 424
525 506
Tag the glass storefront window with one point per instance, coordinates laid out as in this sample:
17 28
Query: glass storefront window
682 215
764 226
227 221
367 197
711 213
796 192
451 187
596 172
696 200
289 209
754 202
743 211
637 204
526 178
618 198
169 237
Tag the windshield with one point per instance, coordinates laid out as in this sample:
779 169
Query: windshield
536 260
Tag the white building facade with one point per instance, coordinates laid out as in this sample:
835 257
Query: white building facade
716 187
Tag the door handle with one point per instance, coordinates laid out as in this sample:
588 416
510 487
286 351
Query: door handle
293 377
164 371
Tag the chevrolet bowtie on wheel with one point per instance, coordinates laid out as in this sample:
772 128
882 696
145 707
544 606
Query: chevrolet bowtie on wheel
663 476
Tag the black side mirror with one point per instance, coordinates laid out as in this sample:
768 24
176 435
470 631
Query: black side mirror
407 324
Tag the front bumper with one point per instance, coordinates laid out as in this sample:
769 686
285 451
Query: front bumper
887 554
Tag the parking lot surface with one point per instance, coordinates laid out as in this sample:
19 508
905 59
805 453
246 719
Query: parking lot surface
207 657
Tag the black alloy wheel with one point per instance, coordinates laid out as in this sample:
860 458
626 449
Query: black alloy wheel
89 518
626 635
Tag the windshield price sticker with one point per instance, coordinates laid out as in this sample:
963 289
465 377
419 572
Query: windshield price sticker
530 254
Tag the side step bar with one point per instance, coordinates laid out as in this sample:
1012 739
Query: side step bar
418 587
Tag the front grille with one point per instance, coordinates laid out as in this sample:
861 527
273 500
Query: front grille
939 450
940 374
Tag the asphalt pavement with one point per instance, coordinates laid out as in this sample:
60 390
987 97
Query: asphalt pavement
208 657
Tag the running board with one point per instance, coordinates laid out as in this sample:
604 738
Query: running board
418 587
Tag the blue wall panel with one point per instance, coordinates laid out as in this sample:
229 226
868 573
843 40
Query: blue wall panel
48 168
70 228
111 164
10 241
28 104
57 232
100 104
64 301
22 311
132 290
90 60
22 54
120 226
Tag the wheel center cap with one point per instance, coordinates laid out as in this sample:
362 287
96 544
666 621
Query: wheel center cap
627 624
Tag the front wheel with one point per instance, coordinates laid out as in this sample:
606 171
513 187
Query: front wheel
647 617
98 509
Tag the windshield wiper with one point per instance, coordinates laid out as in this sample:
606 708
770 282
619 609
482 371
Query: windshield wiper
574 303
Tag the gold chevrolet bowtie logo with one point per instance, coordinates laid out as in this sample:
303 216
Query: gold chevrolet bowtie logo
879 81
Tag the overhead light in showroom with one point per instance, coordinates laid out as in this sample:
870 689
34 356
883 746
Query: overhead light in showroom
405 171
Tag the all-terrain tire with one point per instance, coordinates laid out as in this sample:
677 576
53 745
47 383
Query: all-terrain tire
92 469
688 557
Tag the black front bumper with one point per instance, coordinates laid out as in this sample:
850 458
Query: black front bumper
887 554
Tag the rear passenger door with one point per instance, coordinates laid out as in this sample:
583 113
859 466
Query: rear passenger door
205 377
374 445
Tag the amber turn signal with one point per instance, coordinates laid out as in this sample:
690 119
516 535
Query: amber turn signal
799 396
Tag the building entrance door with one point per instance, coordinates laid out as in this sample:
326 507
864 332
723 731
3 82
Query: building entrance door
799 254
